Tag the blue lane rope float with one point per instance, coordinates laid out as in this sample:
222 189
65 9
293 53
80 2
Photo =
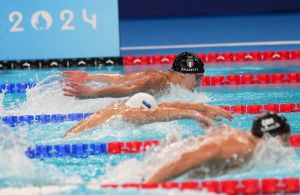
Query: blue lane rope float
14 121
16 87
66 150
84 150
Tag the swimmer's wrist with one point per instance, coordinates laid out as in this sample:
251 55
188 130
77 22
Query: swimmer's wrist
88 78
202 107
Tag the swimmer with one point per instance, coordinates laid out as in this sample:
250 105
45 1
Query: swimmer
142 108
187 72
222 150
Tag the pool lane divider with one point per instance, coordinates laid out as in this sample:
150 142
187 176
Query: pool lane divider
216 57
150 60
246 79
84 150
16 87
14 121
286 185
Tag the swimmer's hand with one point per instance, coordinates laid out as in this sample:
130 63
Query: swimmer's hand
203 121
68 133
76 76
79 90
214 112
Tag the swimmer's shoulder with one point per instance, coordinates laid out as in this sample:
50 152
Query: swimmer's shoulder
157 75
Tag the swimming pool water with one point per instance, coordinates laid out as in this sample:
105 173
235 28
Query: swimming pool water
49 100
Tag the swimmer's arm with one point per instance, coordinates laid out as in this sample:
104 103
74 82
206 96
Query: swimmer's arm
93 120
79 76
85 91
211 111
151 83
186 162
119 90
107 78
183 105
165 114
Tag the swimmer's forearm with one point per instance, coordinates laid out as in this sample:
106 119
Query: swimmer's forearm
159 115
106 78
115 91
91 121
185 105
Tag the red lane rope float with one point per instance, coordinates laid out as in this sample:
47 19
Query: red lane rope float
250 79
233 186
131 147
84 150
138 146
259 108
216 57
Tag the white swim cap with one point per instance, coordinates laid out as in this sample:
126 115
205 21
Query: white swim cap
141 100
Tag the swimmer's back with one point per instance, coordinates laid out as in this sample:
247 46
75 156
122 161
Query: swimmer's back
227 142
153 80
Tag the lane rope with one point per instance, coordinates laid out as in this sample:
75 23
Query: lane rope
14 121
148 60
246 79
285 185
85 150
216 57
230 186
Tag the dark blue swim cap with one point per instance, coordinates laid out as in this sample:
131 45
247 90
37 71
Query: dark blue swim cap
187 62
271 123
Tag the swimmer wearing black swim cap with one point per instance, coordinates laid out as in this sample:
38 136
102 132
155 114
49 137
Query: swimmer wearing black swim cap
187 72
222 149
274 124
187 62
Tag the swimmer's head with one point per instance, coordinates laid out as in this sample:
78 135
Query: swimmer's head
187 62
141 100
271 123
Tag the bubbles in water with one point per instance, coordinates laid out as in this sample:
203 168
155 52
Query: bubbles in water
47 98
1 103
134 170
271 156
16 169
177 93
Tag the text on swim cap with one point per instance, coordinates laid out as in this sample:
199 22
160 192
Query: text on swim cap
269 124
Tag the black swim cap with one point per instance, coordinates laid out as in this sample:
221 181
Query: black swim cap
270 122
187 62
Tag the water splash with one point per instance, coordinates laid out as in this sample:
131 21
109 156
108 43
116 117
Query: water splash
47 98
117 129
17 170
134 170
177 93
270 159
2 103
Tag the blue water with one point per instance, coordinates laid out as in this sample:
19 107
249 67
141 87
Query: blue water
50 100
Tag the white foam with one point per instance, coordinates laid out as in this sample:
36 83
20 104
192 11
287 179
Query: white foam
47 98
33 190
17 169
177 93
133 170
